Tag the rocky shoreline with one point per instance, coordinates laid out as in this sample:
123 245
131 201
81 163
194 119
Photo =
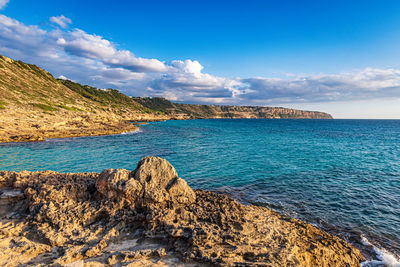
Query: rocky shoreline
35 106
67 133
149 216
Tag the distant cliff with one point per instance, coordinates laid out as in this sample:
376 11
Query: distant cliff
217 111
34 105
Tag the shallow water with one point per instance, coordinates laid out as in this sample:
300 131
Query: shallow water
343 175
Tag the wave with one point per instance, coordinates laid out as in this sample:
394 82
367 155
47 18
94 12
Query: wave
384 258
132 132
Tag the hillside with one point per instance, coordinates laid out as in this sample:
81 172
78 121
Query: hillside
34 106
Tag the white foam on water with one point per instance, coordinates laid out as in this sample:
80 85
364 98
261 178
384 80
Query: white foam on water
385 258
132 132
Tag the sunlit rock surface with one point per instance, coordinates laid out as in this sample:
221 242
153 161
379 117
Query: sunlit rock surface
148 216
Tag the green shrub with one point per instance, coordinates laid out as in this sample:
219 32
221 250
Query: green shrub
106 98
3 104
68 108
44 107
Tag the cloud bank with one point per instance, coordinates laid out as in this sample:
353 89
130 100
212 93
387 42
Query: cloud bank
3 3
89 58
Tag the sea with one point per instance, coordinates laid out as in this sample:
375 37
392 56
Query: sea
340 175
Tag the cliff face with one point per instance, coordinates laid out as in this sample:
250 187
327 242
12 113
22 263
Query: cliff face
149 216
34 105
218 112
250 112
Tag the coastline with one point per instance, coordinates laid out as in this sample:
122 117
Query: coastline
168 221
34 135
373 253
35 106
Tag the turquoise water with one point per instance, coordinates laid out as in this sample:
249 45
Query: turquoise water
343 175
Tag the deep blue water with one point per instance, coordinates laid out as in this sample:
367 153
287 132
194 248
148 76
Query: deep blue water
343 175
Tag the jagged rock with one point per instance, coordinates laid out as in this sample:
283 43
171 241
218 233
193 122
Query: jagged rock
161 182
151 215
118 183
154 181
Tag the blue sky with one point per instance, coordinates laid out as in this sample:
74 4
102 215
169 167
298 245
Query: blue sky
336 56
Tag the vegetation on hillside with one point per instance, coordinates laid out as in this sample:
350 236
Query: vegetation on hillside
3 104
105 97
155 103
28 85
44 107
159 105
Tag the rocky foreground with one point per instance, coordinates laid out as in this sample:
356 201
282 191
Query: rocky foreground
146 217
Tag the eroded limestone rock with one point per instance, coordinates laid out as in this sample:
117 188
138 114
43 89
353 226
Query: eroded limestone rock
149 216
155 181
118 184
161 182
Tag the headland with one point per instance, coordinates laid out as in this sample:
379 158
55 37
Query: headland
35 106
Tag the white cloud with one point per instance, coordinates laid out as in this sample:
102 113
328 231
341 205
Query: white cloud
127 60
185 82
365 84
82 44
119 75
92 59
3 3
188 66
19 39
76 54
61 21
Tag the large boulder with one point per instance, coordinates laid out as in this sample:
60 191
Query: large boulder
154 181
161 182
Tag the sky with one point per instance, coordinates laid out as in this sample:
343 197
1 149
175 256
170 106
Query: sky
341 57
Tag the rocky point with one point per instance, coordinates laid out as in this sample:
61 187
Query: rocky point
148 216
